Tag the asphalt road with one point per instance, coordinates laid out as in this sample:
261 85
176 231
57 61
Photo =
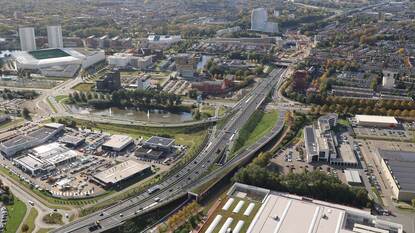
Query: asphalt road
183 180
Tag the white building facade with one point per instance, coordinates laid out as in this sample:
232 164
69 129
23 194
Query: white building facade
27 39
55 39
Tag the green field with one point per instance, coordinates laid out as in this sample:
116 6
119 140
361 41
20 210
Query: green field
84 87
48 53
30 220
53 218
16 213
258 126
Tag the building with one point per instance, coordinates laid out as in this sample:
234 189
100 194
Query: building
55 39
27 39
389 77
109 83
228 31
259 210
327 122
310 142
162 41
62 62
37 137
117 143
159 143
122 172
45 158
124 60
300 80
376 121
352 177
72 141
398 168
141 84
260 23
186 65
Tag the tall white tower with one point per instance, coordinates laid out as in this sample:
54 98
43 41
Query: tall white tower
55 39
259 18
27 39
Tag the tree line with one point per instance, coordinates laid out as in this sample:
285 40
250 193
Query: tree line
127 98
20 94
316 184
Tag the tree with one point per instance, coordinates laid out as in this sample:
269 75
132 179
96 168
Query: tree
25 228
25 113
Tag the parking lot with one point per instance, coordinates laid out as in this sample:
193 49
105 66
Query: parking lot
3 217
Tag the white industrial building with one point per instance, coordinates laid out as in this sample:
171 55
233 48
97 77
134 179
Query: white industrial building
388 80
123 60
44 158
260 23
162 41
352 177
121 172
117 143
55 39
37 137
261 210
376 121
63 62
27 39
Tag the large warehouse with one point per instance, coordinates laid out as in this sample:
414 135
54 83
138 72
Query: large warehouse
121 172
256 210
398 168
376 121
62 62
37 137
45 157
117 143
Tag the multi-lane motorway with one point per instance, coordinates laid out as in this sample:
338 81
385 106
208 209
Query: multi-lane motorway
184 179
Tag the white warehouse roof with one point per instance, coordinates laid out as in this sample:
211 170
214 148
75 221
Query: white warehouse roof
376 119
352 176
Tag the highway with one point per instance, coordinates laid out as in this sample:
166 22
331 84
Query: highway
183 180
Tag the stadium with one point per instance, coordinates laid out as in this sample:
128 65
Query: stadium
64 62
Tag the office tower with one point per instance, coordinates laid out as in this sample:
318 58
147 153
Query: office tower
55 37
27 39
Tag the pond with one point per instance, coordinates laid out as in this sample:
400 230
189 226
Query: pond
133 114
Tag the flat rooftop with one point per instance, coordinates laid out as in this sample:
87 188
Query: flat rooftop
121 171
402 164
48 53
118 141
376 119
161 141
311 139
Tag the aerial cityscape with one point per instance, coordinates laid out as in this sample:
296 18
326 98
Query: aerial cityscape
207 116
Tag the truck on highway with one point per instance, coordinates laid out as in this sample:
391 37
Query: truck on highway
153 189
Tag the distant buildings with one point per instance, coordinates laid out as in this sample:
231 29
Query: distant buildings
228 31
260 23
186 65
109 83
124 60
117 143
162 41
27 39
388 80
105 42
55 39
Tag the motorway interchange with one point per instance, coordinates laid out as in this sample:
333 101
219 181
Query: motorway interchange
180 183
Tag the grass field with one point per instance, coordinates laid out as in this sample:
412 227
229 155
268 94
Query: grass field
16 213
85 87
43 230
11 123
61 98
53 218
30 220
254 129
49 53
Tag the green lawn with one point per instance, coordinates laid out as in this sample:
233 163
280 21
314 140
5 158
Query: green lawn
61 98
11 123
53 218
30 220
257 126
84 87
16 213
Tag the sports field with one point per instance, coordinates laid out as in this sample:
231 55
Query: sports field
48 53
